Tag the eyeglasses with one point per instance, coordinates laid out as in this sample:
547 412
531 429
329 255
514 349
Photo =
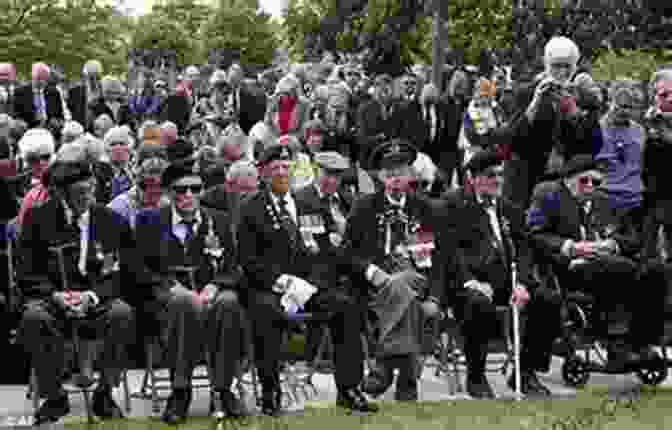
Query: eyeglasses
39 157
182 189
585 180
118 143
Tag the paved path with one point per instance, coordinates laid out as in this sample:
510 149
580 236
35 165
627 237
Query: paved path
13 398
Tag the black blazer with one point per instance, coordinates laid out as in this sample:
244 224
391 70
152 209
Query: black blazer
38 272
466 245
159 250
370 124
23 105
264 249
252 107
556 216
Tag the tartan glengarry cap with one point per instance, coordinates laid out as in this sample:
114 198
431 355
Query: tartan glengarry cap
178 170
393 153
482 161
331 160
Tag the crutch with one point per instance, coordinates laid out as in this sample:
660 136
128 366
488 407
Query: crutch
516 336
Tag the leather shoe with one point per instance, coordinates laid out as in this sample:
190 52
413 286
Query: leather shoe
354 400
529 384
52 410
478 387
270 403
104 405
177 407
228 404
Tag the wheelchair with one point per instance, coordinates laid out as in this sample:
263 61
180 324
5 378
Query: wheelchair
584 348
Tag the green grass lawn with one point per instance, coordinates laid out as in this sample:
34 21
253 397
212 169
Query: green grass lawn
590 410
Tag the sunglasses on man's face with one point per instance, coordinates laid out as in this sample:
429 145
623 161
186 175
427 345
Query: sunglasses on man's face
182 189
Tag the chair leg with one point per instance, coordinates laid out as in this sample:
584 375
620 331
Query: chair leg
87 405
127 393
156 407
34 389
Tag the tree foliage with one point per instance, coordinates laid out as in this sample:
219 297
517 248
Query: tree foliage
66 32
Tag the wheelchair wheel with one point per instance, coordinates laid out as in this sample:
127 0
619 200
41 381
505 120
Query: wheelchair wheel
575 372
654 373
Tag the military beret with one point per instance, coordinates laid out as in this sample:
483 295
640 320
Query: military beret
331 160
483 160
394 153
578 164
179 170
63 173
275 152
383 79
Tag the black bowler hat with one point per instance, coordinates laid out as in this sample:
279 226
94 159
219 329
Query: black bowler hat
179 170
482 161
397 152
274 152
64 173
578 164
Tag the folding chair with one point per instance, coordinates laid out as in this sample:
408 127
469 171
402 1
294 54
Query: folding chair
156 386
450 357
85 380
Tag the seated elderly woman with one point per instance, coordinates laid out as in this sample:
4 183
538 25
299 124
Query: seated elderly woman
37 147
146 191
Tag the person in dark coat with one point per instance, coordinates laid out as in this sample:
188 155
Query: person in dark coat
185 285
93 240
281 249
480 236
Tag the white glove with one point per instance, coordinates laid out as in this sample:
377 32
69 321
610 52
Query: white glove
90 298
297 294
482 287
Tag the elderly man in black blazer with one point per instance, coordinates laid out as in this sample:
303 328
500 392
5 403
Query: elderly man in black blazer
187 281
594 250
92 240
39 104
284 242
481 235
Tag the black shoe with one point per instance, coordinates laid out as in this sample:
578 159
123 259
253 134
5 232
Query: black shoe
377 382
354 400
104 405
177 407
478 387
270 403
529 384
622 357
52 410
228 404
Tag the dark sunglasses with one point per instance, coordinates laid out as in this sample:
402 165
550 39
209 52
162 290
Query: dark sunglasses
118 143
39 157
585 180
148 185
182 189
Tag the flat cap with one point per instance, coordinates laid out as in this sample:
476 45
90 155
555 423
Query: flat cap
179 170
394 153
483 160
331 160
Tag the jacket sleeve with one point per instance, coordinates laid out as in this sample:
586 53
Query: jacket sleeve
126 249
355 246
148 280
259 273
32 277
541 220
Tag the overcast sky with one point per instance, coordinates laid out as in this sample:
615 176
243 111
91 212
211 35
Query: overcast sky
144 6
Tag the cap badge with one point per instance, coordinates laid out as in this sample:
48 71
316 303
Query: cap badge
395 149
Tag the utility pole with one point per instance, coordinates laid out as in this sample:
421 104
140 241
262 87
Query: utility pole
438 42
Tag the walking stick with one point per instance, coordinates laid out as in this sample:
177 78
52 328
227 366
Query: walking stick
516 337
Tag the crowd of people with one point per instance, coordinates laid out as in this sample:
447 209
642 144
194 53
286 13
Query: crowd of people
207 216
